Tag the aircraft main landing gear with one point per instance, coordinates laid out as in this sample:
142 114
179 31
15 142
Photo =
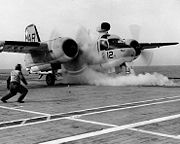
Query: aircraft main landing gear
50 79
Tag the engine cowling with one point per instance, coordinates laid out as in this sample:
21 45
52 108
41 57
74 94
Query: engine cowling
63 49
134 44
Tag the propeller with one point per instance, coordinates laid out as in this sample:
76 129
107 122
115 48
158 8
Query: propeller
54 34
135 31
146 55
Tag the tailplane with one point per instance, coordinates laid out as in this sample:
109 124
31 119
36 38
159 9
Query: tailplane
31 34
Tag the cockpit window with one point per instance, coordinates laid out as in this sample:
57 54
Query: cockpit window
108 42
113 41
104 45
105 36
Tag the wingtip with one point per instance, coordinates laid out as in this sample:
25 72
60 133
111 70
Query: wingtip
175 43
1 45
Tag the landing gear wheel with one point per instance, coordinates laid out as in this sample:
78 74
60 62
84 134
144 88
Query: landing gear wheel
50 79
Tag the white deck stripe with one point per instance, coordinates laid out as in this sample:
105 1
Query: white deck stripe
155 133
92 122
17 107
26 111
29 124
109 130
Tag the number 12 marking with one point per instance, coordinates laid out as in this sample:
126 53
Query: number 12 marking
110 54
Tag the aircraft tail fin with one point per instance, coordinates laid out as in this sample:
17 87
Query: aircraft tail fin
31 34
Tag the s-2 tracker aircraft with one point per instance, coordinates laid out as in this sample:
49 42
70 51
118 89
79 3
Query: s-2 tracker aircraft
66 56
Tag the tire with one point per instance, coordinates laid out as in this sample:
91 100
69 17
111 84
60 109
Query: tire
50 79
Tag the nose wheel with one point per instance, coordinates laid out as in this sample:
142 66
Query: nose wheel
50 79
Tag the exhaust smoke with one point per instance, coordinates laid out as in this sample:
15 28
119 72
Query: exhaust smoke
147 79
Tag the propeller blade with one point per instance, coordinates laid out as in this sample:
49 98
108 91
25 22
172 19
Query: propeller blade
147 56
54 34
135 31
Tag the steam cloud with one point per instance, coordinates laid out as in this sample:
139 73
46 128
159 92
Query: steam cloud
90 76
88 46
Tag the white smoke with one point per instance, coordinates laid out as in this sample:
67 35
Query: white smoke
147 79
88 46
90 76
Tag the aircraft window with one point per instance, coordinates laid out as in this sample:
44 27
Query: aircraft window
112 41
105 36
104 45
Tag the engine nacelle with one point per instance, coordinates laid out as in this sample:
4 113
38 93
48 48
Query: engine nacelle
134 44
63 49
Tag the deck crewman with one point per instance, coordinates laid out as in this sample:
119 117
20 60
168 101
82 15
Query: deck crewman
14 85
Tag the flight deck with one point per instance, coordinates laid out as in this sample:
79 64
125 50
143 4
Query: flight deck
92 114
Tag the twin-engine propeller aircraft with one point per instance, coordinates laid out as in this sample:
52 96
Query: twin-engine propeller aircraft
66 55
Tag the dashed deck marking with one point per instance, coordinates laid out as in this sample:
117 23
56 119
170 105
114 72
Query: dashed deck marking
124 106
118 107
130 107
113 129
154 133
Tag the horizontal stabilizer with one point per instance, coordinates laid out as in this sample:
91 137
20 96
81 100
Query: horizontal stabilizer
22 46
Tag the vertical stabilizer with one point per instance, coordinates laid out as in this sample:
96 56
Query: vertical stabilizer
31 34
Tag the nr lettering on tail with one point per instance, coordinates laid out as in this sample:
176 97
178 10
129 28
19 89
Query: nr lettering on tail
31 34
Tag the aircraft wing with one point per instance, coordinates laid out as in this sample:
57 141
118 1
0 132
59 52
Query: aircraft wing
155 45
22 46
142 45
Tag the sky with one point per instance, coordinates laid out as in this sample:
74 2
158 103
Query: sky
158 20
